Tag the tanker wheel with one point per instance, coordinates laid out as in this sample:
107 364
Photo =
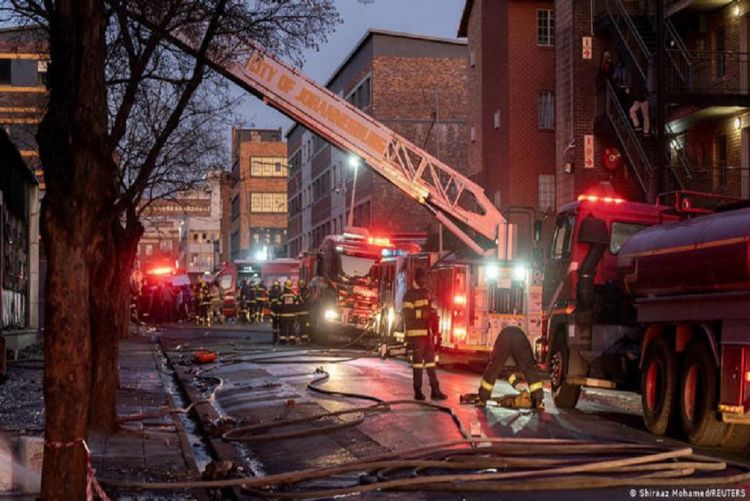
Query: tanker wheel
565 395
659 387
737 436
699 398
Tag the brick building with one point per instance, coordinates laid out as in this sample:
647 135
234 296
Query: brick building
511 84
23 94
184 231
707 126
258 203
415 85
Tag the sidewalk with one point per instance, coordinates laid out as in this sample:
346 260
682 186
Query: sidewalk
151 449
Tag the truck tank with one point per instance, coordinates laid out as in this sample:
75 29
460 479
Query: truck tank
705 254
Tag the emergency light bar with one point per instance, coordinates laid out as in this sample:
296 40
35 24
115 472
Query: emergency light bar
594 198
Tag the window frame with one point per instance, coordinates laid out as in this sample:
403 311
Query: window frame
545 110
269 202
547 24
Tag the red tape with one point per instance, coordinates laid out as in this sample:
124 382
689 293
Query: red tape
91 483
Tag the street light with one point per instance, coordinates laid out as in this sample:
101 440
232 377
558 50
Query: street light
354 163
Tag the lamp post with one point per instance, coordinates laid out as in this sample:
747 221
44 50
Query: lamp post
354 162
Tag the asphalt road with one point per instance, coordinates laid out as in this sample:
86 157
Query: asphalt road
252 390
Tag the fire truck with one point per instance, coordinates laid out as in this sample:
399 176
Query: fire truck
474 299
342 280
656 299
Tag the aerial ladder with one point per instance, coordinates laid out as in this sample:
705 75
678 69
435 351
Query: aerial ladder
455 201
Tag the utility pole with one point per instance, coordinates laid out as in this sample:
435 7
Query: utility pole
661 99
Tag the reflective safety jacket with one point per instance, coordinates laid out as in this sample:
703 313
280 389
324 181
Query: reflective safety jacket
417 310
274 295
288 304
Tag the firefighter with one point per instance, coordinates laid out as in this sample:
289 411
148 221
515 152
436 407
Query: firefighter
417 312
204 302
512 341
287 314
251 301
303 313
274 296
261 298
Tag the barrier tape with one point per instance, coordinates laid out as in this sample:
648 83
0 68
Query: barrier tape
91 483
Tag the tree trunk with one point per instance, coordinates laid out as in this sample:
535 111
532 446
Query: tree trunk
110 317
80 179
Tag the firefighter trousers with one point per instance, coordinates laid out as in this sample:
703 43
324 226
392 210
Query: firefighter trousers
305 327
286 327
512 342
423 358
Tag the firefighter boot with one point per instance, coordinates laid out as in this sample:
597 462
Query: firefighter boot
418 395
435 394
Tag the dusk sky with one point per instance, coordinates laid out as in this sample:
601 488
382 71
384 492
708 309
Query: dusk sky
425 17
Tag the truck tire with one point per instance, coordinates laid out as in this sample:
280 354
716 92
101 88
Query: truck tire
565 395
737 436
659 387
699 398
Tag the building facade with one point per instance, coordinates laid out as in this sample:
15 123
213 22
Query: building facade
511 107
184 231
705 79
415 85
258 201
23 93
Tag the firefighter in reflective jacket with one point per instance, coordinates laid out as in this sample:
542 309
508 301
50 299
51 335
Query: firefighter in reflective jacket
303 313
274 297
512 341
288 303
261 298
417 312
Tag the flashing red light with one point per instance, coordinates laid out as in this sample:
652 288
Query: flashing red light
459 332
594 198
380 241
747 376
163 270
459 300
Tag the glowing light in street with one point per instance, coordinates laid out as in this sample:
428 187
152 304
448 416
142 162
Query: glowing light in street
519 273
330 315
492 272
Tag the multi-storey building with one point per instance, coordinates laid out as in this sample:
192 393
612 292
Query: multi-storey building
184 231
23 94
511 106
414 84
706 126
258 204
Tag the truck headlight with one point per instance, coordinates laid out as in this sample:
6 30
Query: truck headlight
330 315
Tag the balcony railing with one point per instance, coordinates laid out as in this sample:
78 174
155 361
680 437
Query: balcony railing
628 34
727 180
710 72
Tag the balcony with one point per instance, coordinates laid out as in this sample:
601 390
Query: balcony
727 180
672 7
709 78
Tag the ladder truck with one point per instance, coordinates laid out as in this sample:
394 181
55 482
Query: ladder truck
454 200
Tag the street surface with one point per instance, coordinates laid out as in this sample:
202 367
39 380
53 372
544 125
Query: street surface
255 382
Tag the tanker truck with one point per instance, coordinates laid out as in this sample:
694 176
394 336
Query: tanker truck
655 299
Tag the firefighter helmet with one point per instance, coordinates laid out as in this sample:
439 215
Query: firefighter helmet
288 284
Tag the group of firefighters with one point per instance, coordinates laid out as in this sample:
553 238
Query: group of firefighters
288 309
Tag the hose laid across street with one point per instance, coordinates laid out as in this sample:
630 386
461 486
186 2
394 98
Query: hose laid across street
464 465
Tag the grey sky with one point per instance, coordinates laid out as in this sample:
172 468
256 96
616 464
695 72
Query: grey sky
424 17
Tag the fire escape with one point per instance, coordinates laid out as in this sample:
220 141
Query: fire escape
689 83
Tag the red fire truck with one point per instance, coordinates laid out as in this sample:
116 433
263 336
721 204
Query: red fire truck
653 298
343 280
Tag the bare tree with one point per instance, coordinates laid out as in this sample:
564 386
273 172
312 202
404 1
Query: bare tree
125 119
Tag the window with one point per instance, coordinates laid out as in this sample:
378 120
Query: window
268 202
546 110
5 71
721 161
41 72
360 97
561 241
620 233
235 207
546 192
721 46
268 167
322 185
545 27
149 249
